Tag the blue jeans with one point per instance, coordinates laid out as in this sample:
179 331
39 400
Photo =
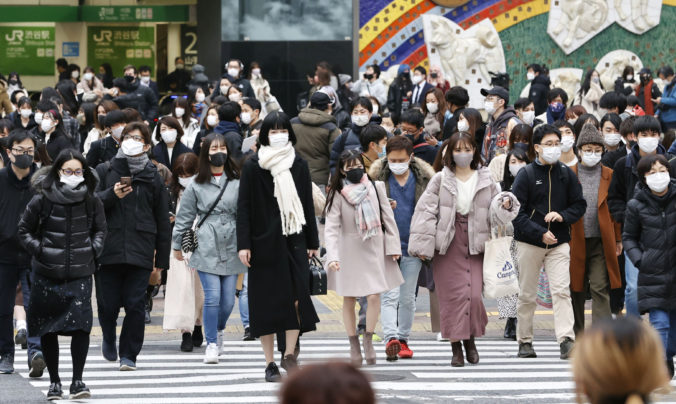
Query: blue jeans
631 292
219 299
244 301
398 323
665 324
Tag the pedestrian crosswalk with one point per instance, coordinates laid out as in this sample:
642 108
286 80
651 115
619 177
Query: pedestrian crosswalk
166 375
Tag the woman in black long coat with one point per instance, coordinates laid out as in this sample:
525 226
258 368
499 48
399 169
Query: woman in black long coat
275 243
63 228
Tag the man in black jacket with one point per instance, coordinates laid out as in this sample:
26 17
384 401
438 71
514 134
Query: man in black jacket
501 120
15 263
539 87
133 95
623 187
138 242
413 127
400 93
551 200
105 149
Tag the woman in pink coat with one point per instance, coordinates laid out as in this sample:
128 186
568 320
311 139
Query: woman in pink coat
362 247
451 224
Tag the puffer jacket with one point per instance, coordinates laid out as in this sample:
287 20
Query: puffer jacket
650 243
348 140
433 223
316 131
63 238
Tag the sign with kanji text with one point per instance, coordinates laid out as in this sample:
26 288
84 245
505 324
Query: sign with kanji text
120 46
27 50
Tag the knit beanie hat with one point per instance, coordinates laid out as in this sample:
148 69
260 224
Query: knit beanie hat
589 135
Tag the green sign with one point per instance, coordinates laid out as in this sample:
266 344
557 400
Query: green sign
27 50
135 13
120 46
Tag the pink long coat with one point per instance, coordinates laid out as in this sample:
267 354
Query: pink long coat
366 267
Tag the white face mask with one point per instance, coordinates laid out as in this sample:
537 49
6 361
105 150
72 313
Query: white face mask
530 76
567 143
132 148
145 79
514 168
658 182
611 139
179 112
590 159
184 182
234 72
528 117
433 107
46 125
88 76
360 120
648 144
71 180
550 155
463 159
117 132
212 120
245 117
256 72
235 97
75 74
375 108
629 77
169 135
417 79
279 139
463 125
489 106
398 168
224 89
26 113
199 97
38 117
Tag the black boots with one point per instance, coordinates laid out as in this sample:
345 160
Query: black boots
458 360
510 329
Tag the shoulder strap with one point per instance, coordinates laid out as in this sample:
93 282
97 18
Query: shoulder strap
343 140
45 211
382 223
213 206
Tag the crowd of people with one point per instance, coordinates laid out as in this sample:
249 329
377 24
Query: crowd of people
392 188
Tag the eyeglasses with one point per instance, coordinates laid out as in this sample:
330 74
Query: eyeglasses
67 171
551 144
20 151
133 137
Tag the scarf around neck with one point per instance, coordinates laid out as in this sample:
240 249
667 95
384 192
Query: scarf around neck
136 164
279 161
65 195
365 205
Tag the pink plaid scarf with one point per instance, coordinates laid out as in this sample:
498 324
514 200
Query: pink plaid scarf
365 206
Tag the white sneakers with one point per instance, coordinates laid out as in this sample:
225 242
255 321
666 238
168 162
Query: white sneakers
211 353
440 338
219 342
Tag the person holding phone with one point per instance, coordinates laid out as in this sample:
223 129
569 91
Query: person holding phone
136 204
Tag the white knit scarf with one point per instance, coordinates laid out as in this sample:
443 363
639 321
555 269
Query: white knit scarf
278 161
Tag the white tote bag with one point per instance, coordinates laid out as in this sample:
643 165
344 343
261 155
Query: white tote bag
179 303
500 276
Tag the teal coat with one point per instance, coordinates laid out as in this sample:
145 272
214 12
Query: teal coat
216 251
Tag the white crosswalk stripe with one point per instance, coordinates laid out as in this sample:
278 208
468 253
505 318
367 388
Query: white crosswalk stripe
166 375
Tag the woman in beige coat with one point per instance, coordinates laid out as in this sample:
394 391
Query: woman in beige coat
451 225
362 247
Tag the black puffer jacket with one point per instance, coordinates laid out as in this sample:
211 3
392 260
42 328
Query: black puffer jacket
63 238
139 232
539 88
649 239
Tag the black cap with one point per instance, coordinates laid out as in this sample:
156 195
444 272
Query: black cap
497 90
645 70
319 100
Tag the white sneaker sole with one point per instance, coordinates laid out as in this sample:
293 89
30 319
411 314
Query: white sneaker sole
126 368
211 361
80 395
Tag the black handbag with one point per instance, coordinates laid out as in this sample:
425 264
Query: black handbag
318 281
189 237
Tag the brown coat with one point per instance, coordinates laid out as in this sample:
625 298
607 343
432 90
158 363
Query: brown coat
610 234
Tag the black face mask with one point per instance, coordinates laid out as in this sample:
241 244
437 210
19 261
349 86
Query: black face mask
13 82
434 75
218 159
521 146
129 78
102 120
355 175
645 79
368 76
24 161
632 143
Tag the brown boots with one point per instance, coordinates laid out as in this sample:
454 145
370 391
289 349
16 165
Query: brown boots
369 352
355 351
470 351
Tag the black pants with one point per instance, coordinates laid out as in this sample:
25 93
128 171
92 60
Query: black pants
10 276
79 347
118 286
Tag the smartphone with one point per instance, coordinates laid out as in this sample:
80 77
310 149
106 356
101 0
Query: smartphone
125 181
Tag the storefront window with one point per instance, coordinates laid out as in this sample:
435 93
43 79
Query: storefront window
286 20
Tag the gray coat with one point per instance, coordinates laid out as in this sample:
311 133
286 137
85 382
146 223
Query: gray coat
216 252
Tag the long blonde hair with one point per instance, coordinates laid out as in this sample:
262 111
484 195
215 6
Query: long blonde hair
620 361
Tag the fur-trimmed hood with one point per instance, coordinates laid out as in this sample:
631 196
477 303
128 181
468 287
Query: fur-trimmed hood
423 172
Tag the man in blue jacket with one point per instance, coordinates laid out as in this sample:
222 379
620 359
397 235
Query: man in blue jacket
666 108
551 200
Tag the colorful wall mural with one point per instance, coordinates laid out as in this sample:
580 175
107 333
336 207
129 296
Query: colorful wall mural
391 33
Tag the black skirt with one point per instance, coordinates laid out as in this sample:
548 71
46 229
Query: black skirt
58 306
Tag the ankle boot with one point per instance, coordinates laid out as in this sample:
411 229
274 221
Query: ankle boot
355 351
510 329
369 352
458 361
470 351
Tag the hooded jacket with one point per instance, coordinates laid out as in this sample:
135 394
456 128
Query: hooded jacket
496 139
539 88
649 238
63 229
316 131
423 172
